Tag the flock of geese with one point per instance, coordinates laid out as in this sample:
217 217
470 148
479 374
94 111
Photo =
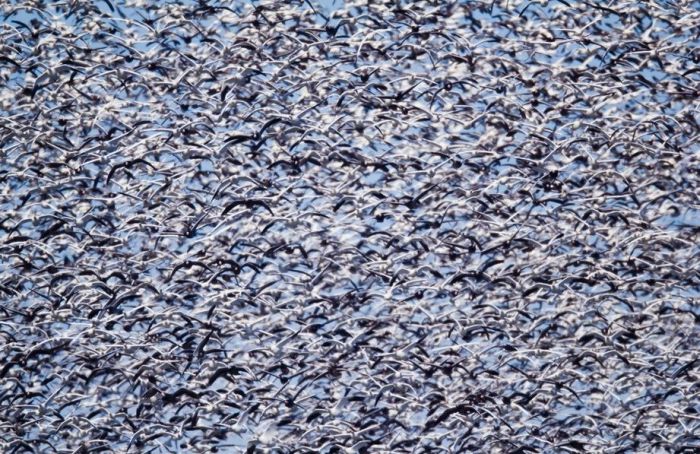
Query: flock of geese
349 226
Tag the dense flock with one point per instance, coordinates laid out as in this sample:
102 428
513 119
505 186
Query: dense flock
349 227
